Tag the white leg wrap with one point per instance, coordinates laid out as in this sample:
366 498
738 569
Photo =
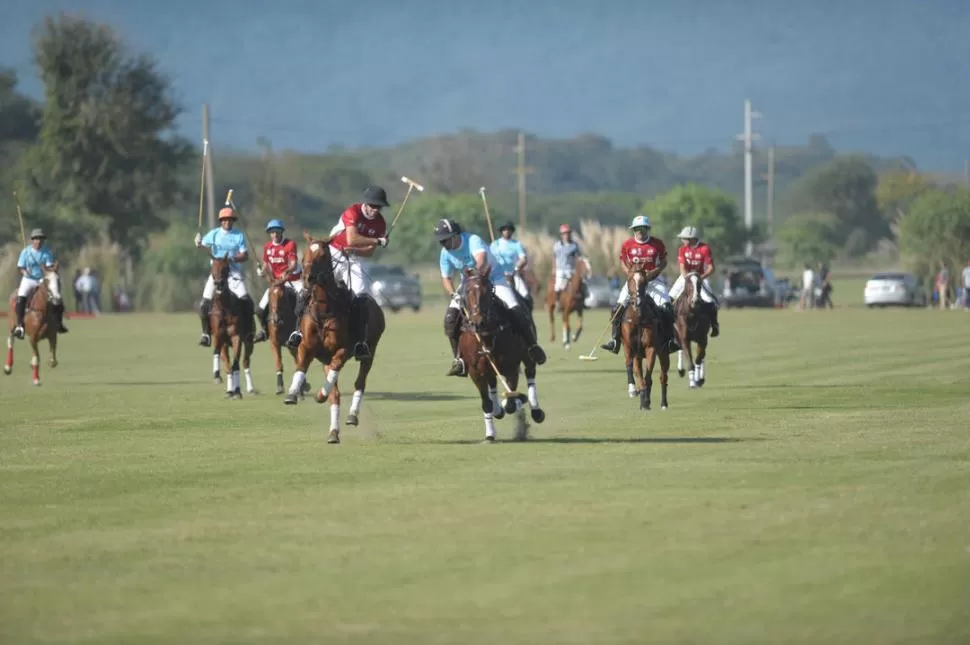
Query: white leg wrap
489 426
215 363
680 360
533 394
235 380
355 402
297 383
335 416
328 384
249 380
229 381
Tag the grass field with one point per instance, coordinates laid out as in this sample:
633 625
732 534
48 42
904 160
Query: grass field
817 490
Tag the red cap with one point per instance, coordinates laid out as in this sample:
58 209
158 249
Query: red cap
565 228
227 213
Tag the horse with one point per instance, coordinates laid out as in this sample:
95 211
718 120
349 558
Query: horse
230 329
692 323
642 339
493 351
571 299
326 335
280 322
39 321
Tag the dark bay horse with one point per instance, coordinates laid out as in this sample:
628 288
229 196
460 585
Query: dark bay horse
493 352
572 299
279 323
643 340
326 335
230 330
39 321
692 324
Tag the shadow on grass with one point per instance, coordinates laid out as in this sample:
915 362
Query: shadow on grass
415 396
605 440
138 383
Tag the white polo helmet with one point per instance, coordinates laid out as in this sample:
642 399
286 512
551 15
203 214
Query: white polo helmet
640 220
689 233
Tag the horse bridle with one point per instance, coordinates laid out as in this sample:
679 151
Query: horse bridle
485 304
320 274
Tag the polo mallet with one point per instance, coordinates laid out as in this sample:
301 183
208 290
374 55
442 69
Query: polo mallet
592 355
232 205
20 216
411 186
205 155
488 217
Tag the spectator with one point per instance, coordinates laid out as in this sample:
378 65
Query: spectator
942 284
965 274
808 288
78 299
95 297
825 282
83 285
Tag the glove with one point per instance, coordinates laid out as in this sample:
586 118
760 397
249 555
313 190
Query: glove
456 297
382 242
198 239
259 271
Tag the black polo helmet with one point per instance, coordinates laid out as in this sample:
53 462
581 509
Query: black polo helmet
446 229
508 225
375 196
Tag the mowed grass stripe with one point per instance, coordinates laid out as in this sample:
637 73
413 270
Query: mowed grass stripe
813 491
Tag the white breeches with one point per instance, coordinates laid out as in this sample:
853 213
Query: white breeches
706 294
520 286
502 291
296 286
236 285
26 286
656 289
562 279
347 269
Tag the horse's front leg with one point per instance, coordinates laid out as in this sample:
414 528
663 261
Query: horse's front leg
304 356
579 325
236 390
278 357
664 369
334 397
683 337
486 383
634 363
565 327
216 357
8 366
538 415
700 370
247 356
551 307
35 360
651 357
52 343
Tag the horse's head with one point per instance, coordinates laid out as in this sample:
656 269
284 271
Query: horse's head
317 261
219 270
478 296
692 289
52 280
635 284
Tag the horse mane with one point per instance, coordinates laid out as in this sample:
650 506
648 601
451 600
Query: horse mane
683 304
310 239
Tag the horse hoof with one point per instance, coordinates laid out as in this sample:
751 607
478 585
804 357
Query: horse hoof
510 405
217 379
693 384
320 397
37 382
7 369
566 346
663 406
681 373
290 399
700 382
352 419
488 440
53 364
538 415
253 392
280 390
333 437
305 387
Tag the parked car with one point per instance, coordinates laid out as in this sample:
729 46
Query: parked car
393 288
899 289
747 284
601 294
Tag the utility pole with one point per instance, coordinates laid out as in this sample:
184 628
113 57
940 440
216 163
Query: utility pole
210 184
966 172
748 138
770 206
522 170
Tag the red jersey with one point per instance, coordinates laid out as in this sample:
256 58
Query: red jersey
354 217
643 255
695 258
278 257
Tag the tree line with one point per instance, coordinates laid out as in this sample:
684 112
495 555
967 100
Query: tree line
100 165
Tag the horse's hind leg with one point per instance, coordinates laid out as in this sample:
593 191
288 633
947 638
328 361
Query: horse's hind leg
565 328
664 369
52 341
334 397
538 415
247 355
8 366
680 363
237 349
216 376
35 360
579 325
360 384
647 377
700 370
488 405
552 321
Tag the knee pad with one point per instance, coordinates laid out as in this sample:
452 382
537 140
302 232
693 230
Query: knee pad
451 320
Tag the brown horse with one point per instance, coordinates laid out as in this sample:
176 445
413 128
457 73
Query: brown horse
279 323
326 335
39 321
572 299
230 329
492 352
642 339
692 324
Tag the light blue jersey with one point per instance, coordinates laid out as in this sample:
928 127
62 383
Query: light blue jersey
222 242
33 261
566 256
508 253
464 258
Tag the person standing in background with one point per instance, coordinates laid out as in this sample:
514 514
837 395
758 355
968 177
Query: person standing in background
78 299
942 284
808 288
965 275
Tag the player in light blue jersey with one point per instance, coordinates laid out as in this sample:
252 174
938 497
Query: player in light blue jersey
566 253
513 258
219 242
34 260
459 251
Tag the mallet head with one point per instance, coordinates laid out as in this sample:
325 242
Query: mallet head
413 184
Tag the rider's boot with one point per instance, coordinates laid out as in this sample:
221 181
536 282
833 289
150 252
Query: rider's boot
296 337
613 345
715 326
59 318
453 332
263 333
248 312
358 327
21 308
520 319
668 324
204 310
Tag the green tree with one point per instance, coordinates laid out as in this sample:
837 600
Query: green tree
936 229
846 188
897 190
107 142
808 237
412 240
713 211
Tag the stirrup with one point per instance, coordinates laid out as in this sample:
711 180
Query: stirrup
296 337
457 368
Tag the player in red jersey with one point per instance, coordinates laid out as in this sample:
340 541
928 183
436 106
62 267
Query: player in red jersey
361 229
644 252
280 260
695 256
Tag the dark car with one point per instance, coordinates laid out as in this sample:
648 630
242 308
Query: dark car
393 288
747 284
